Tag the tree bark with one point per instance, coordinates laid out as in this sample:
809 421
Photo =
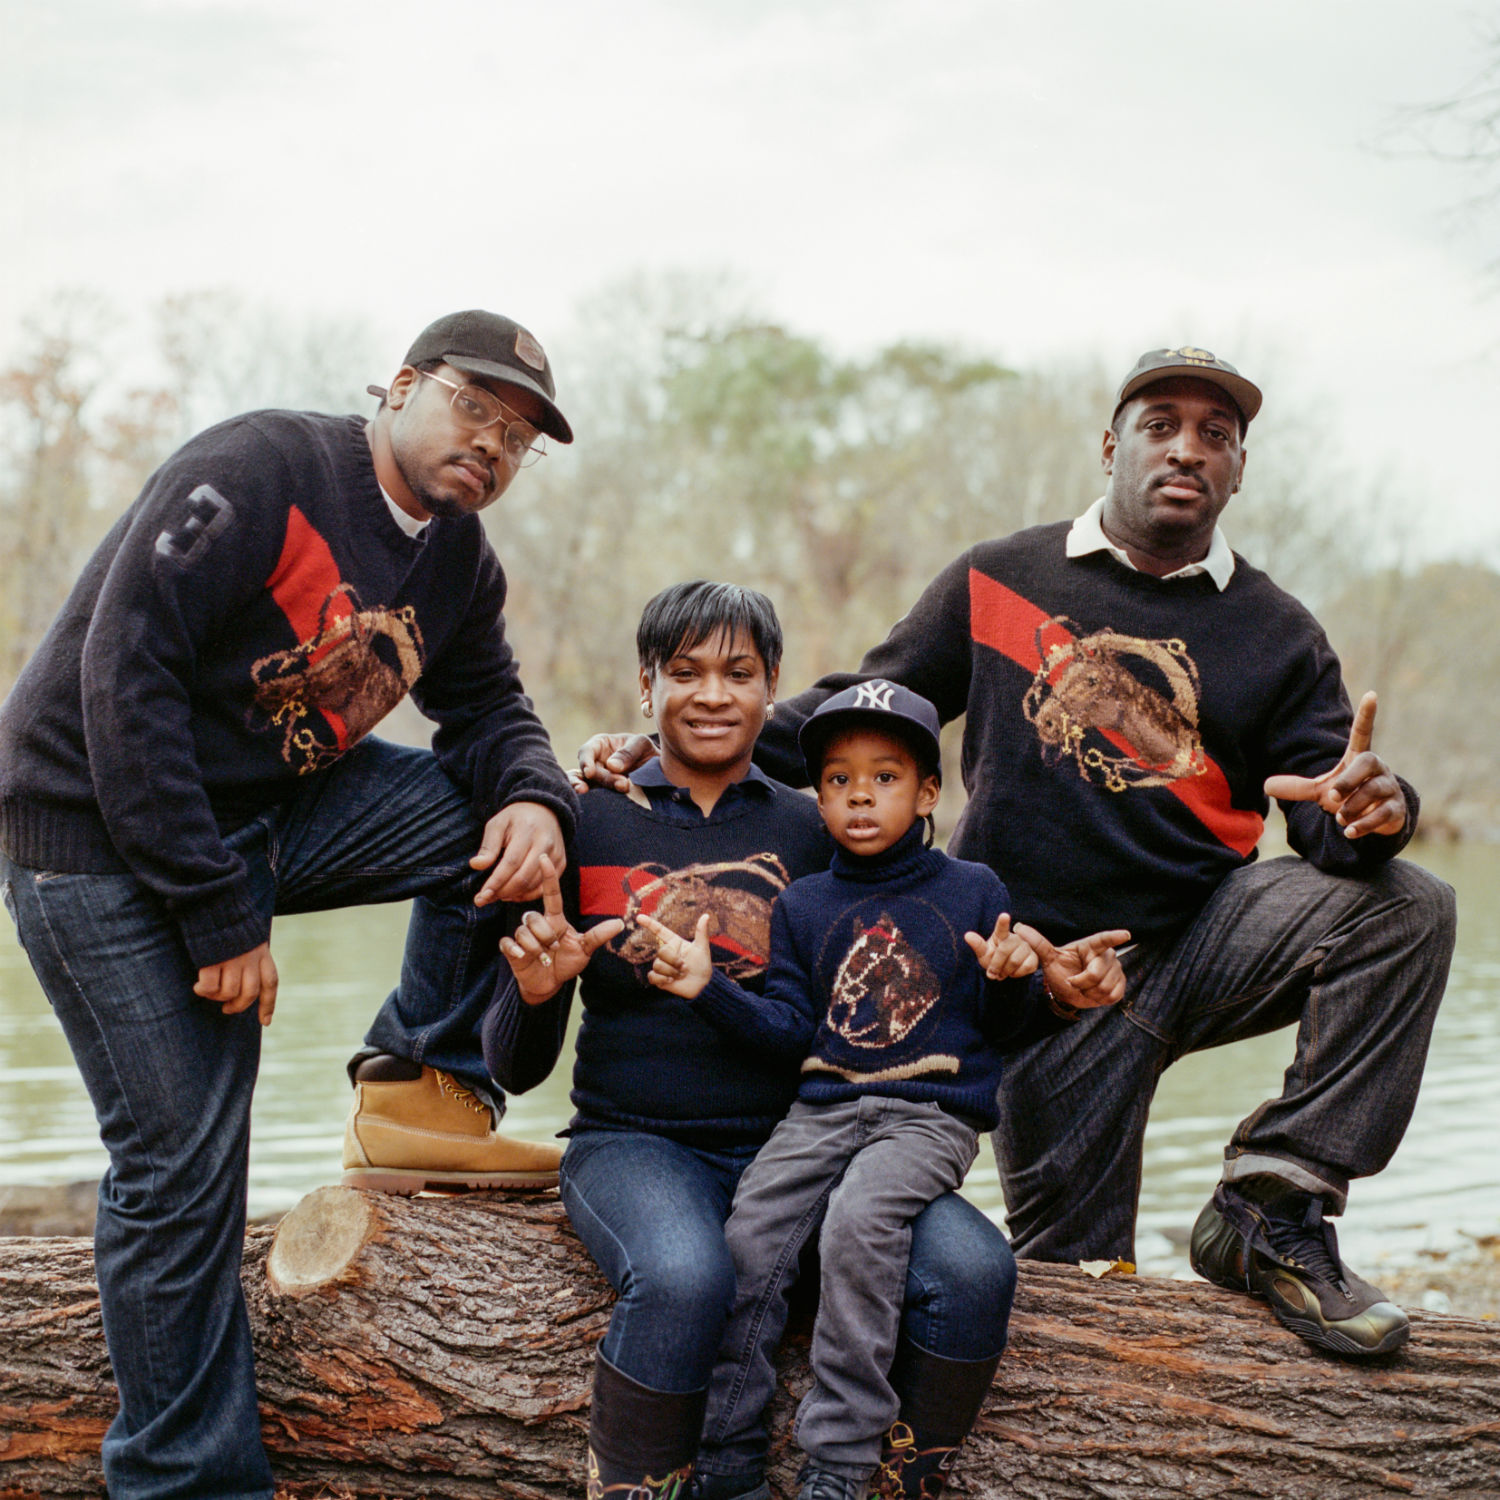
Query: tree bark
442 1347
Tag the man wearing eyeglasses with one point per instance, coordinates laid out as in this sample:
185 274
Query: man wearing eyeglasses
188 754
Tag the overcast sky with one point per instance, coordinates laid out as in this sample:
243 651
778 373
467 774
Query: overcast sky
1039 181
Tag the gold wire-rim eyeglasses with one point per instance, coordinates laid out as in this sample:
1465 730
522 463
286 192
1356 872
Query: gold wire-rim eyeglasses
477 408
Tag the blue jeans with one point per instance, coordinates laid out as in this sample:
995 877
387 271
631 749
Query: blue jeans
171 1076
1356 963
652 1213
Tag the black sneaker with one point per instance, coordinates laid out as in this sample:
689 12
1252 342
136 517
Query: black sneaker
1285 1251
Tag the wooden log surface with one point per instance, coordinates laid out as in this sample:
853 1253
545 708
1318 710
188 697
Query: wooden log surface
442 1347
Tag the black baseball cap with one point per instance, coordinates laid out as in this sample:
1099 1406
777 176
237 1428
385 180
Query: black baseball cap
876 704
1196 364
484 343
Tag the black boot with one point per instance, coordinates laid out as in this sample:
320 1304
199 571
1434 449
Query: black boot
940 1402
641 1442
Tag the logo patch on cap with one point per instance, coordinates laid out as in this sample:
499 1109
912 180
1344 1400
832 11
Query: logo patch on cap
876 694
530 352
1197 356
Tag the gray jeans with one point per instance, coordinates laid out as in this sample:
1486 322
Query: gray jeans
862 1170
1356 964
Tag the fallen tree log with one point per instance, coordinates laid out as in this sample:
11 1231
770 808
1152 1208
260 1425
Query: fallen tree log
441 1347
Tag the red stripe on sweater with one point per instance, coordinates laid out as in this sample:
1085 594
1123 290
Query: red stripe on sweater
601 888
1006 622
305 583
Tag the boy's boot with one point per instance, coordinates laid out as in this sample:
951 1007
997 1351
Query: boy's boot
706 1486
641 1442
1266 1238
822 1484
413 1127
940 1401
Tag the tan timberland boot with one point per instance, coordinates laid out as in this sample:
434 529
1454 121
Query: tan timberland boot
432 1132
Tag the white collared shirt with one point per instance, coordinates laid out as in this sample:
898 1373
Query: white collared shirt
409 524
1087 535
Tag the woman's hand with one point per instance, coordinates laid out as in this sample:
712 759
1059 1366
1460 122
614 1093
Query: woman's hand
546 950
1003 954
680 968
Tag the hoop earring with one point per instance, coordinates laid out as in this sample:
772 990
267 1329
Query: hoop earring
646 708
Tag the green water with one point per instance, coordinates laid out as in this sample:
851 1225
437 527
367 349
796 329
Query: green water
1442 1188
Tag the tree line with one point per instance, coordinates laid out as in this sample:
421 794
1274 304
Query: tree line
716 442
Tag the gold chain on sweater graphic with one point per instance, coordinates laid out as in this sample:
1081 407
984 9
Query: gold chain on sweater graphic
1090 682
333 688
740 924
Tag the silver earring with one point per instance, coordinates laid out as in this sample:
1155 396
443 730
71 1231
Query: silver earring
770 709
646 707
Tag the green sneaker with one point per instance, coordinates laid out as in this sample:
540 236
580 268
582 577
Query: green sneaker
1285 1251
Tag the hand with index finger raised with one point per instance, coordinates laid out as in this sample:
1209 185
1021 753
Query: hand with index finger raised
546 950
1004 954
1084 974
680 968
1361 791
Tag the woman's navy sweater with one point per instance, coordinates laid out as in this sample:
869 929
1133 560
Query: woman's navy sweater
647 1060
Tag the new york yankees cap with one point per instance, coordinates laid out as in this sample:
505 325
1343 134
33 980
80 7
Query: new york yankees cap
484 343
1195 364
876 704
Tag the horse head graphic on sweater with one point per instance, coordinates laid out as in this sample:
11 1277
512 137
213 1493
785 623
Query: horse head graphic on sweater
1091 682
329 691
882 989
740 925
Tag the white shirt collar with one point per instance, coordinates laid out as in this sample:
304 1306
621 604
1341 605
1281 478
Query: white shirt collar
409 524
1087 535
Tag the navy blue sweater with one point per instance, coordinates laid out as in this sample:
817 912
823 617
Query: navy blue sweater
873 989
647 1060
247 620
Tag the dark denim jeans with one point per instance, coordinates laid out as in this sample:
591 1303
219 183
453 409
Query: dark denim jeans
652 1213
171 1078
1356 964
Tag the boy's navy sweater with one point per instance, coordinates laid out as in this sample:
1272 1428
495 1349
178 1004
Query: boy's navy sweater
1123 723
648 1060
244 623
873 988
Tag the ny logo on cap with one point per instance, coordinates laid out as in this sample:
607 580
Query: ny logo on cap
877 694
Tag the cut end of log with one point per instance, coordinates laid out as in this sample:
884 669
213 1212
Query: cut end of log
318 1240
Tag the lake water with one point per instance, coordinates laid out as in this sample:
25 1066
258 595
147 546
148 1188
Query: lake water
1441 1192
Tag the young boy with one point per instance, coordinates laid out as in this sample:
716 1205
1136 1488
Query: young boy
879 969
